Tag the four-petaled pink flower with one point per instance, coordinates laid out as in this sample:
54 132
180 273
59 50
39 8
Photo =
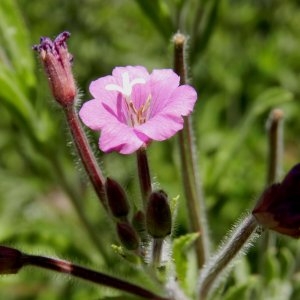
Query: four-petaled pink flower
132 107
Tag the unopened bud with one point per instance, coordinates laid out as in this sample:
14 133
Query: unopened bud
10 260
139 223
127 235
278 208
57 63
158 215
116 198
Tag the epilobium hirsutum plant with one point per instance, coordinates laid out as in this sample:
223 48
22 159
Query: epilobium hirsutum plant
130 109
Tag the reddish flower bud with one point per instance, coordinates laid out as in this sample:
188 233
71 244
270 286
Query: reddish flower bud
10 260
127 236
116 198
57 63
158 215
278 208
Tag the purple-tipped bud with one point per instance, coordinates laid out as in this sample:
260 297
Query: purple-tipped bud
278 208
116 198
127 235
57 63
158 215
10 260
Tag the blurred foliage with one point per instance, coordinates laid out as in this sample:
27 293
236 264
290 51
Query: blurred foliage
244 60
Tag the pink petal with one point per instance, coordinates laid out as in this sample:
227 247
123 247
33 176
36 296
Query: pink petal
163 83
182 101
99 91
119 137
133 71
140 94
93 115
161 127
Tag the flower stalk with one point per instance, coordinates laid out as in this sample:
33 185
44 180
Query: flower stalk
85 152
57 63
14 260
274 128
275 145
239 241
144 175
189 161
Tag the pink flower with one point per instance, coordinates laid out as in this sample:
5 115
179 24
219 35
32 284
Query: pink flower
132 107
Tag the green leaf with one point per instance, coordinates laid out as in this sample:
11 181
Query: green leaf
14 37
238 292
159 14
181 245
13 94
265 102
203 36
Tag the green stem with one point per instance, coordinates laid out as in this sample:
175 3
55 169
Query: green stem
275 141
275 148
157 247
239 241
189 161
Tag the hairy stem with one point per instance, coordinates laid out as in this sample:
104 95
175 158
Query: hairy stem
85 152
189 163
156 252
275 150
275 141
144 175
89 275
237 243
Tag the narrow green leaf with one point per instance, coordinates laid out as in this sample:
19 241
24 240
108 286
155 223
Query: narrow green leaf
14 38
13 95
159 14
266 101
203 35
181 245
238 292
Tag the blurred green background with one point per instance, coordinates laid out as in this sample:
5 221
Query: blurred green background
244 60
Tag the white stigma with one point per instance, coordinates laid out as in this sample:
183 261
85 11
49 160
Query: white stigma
126 87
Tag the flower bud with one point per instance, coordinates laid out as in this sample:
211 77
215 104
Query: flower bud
139 224
158 215
278 208
57 63
116 198
127 235
10 260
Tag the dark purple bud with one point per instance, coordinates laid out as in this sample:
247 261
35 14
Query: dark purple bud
57 63
116 198
139 223
127 235
158 215
278 208
11 260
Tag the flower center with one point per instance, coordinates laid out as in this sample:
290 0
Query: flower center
136 116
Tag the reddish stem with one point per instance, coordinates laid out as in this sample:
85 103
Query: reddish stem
87 157
89 275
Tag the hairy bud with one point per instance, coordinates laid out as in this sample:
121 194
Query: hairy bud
158 215
11 260
278 208
127 235
57 63
116 198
